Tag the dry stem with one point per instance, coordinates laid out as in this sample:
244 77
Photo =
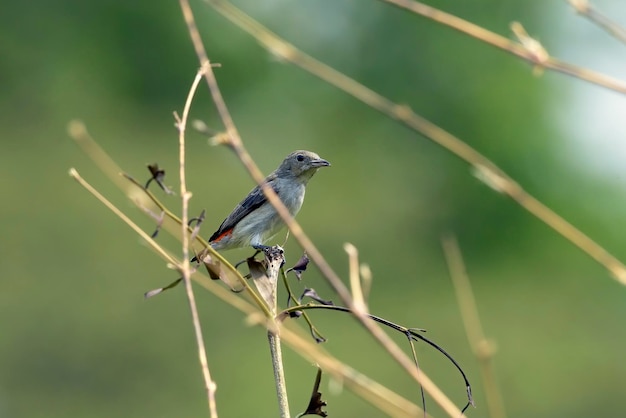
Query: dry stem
482 347
521 50
584 8
184 267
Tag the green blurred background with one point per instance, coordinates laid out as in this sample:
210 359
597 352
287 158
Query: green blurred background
78 340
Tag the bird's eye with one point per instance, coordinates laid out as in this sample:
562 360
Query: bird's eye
300 157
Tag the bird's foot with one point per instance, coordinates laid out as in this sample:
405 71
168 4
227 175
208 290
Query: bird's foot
260 247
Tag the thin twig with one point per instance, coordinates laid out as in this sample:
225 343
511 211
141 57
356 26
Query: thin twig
518 49
181 124
366 280
355 278
76 176
292 297
482 347
584 8
489 172
371 391
79 133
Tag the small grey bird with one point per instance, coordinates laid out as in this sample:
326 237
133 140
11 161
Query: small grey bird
254 220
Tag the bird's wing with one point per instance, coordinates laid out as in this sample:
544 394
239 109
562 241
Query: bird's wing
254 200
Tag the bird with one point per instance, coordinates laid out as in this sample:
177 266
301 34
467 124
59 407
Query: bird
254 221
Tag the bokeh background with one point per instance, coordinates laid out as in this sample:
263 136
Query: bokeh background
78 340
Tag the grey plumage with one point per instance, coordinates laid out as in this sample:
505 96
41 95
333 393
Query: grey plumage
254 221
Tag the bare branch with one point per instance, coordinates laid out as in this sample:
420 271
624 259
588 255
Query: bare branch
521 49
76 176
483 348
181 124
355 278
584 8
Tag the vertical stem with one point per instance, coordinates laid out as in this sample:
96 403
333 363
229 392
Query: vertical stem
279 374
484 349
184 266
265 278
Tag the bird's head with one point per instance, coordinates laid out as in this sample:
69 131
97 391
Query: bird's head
301 165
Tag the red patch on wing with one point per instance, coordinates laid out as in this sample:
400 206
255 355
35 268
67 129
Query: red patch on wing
224 234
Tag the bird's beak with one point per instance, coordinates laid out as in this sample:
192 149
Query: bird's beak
320 163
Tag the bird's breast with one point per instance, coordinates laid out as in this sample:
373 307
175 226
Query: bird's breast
292 196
